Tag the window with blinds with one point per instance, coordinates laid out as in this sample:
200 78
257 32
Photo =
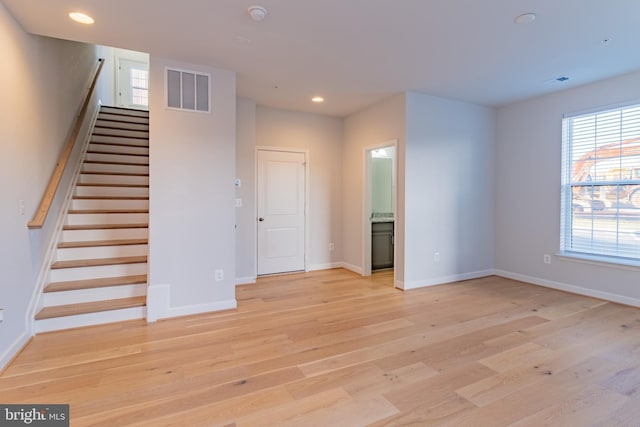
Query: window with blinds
188 90
601 185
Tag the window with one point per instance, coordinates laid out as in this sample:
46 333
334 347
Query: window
188 90
601 185
139 87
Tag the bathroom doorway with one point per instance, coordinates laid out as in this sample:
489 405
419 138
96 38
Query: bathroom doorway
380 207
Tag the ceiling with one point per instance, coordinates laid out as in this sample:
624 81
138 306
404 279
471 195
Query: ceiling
355 52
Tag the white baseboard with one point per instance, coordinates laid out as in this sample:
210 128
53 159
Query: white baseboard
326 266
350 267
443 279
622 299
245 280
189 310
15 348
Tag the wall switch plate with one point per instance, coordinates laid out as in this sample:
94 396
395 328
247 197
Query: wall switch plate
332 246
21 206
547 259
436 257
219 275
1 315
238 203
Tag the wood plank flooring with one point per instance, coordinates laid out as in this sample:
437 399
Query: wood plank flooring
331 348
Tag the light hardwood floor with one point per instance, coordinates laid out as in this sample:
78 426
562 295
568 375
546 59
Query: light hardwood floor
331 348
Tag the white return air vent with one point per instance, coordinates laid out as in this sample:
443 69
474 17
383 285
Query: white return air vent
188 90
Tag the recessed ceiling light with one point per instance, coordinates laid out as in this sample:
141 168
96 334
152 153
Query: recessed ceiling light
81 18
525 18
317 99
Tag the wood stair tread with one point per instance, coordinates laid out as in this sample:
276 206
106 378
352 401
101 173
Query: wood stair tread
120 119
106 211
90 307
101 184
146 138
117 154
119 145
98 262
103 226
74 285
113 173
111 197
99 162
95 243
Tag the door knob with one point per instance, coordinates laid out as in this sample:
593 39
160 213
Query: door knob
260 219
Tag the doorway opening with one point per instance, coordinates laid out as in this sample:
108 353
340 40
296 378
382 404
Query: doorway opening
379 207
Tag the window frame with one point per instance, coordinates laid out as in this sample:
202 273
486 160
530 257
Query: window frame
567 250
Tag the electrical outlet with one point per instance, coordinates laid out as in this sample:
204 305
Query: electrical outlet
436 257
547 259
332 246
238 203
219 275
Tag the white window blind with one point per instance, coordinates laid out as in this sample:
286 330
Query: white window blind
188 90
601 185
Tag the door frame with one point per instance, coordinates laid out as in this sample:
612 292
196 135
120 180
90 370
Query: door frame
366 205
117 61
306 198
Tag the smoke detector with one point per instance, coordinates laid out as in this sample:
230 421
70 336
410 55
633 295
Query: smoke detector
257 13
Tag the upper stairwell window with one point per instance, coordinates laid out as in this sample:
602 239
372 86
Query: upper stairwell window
188 90
601 186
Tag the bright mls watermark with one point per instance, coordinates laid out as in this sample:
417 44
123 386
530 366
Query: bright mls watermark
34 415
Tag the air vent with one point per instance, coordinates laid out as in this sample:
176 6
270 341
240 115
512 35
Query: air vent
188 90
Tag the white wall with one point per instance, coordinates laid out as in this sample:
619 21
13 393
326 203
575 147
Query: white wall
375 125
245 171
527 220
448 191
322 137
43 82
192 214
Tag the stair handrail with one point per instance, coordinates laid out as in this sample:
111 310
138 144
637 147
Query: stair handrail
49 193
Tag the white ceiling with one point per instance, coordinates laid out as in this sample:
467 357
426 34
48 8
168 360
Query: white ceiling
354 52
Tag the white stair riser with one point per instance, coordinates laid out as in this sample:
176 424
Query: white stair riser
104 234
117 158
93 252
124 112
77 204
98 272
110 218
120 149
118 132
97 167
128 119
120 140
121 125
100 318
112 191
113 179
51 299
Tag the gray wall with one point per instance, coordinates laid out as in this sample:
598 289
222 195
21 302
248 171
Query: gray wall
527 183
449 190
43 82
191 213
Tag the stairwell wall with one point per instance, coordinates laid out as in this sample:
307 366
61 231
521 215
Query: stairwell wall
43 82
191 206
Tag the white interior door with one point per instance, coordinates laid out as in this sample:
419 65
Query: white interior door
133 84
281 211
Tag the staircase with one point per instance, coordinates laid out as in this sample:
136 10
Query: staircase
99 272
